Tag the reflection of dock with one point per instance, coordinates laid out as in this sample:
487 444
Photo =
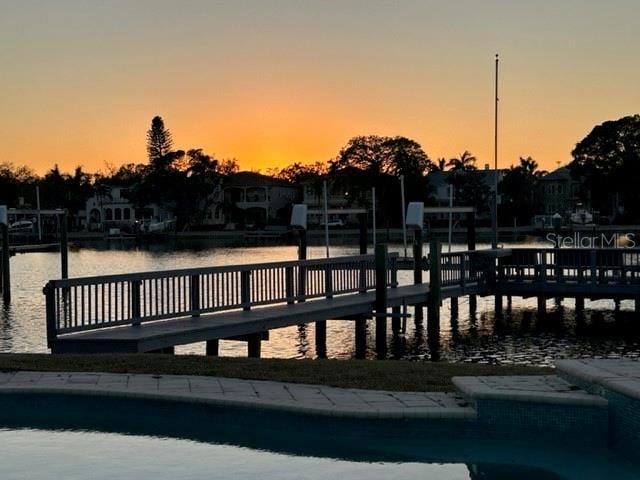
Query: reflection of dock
157 310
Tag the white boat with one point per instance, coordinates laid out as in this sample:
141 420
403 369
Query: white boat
21 226
158 226
581 217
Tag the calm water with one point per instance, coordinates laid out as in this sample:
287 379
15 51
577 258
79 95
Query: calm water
37 454
520 337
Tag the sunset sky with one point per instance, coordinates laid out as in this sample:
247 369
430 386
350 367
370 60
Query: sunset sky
275 82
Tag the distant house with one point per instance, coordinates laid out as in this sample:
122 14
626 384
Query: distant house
112 209
439 182
253 198
343 193
560 192
214 211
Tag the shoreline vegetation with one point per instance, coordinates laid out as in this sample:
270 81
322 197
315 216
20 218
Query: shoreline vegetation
393 375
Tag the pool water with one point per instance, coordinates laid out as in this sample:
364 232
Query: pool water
94 437
38 454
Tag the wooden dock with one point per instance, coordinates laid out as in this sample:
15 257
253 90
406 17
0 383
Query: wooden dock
155 311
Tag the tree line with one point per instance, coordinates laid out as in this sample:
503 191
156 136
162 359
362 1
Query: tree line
606 163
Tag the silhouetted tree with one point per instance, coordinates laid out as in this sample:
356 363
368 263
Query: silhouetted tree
381 159
521 192
16 182
465 161
607 163
159 141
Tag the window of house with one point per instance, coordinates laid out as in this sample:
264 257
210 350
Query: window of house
127 213
118 214
108 214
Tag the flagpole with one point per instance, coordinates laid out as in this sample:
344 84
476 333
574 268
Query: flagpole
494 242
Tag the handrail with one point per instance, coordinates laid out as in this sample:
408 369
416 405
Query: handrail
89 303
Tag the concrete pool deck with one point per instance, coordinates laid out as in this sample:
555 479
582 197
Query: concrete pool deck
301 398
589 402
312 399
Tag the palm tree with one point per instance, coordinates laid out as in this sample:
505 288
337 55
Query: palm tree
466 161
440 165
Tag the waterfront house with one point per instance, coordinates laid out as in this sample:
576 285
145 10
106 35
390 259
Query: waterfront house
254 199
347 189
111 208
440 183
560 192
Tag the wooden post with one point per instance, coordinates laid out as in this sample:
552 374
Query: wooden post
471 245
302 271
6 269
497 275
288 280
135 302
254 344
396 321
542 306
245 289
382 257
194 290
454 307
361 337
579 304
50 302
321 339
364 234
433 304
302 244
213 347
64 247
417 272
417 256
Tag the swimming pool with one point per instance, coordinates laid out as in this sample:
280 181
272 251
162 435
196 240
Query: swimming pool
73 437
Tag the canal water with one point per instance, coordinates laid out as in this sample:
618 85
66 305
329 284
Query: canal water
519 337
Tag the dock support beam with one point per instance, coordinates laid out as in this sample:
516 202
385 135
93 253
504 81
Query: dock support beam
433 304
321 339
6 270
579 304
542 306
417 272
454 307
382 257
396 321
361 338
471 245
213 348
254 345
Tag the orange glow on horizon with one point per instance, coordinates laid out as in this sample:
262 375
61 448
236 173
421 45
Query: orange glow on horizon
272 86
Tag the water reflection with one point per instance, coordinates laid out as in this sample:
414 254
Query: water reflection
473 333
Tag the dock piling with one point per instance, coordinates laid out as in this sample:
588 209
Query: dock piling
254 345
433 304
6 269
213 348
321 339
381 261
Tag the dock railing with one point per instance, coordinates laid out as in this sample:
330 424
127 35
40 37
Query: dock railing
90 303
463 268
604 266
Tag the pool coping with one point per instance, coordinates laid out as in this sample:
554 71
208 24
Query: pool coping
347 406
594 373
512 388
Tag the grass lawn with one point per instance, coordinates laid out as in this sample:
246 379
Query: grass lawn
369 374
